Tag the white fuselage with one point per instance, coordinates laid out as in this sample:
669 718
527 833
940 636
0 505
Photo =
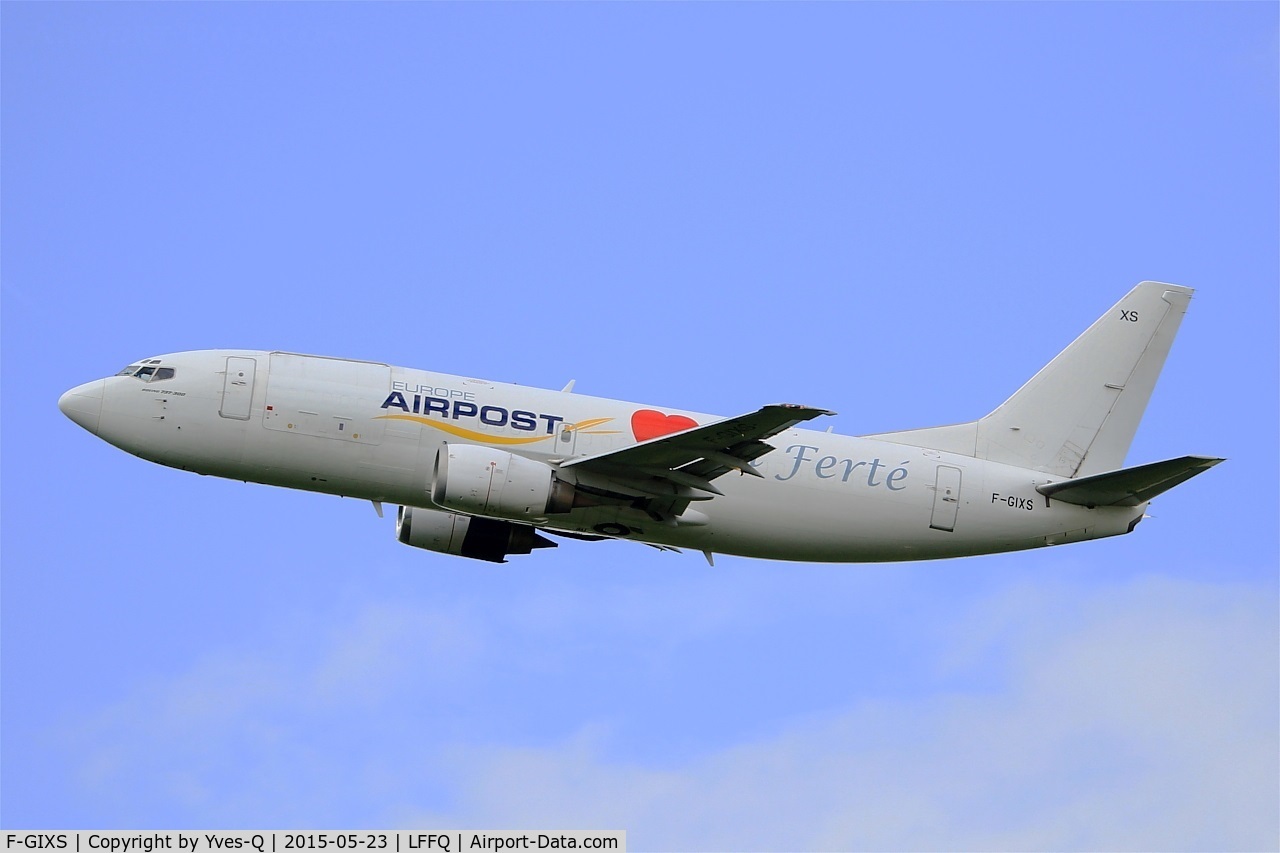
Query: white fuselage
372 431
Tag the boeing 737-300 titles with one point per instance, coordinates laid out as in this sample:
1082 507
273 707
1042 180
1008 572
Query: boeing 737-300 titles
487 470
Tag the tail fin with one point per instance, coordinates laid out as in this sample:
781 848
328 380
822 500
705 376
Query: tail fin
1078 415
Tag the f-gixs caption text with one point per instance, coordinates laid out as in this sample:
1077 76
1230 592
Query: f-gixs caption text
278 841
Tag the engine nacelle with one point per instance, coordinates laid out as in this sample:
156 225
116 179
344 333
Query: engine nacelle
479 480
478 538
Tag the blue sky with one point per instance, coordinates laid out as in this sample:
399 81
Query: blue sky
896 211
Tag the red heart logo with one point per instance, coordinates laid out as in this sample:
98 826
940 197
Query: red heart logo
647 424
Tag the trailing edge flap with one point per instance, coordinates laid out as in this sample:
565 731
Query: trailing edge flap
695 456
1128 486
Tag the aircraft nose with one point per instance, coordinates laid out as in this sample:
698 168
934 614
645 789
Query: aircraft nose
83 404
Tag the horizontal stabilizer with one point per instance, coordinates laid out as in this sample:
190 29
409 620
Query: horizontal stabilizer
1128 486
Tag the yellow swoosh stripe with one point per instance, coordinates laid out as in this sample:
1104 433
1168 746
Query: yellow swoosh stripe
588 424
462 432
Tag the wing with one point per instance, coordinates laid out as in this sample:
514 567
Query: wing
678 468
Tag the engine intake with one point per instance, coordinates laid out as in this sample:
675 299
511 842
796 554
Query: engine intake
479 480
478 538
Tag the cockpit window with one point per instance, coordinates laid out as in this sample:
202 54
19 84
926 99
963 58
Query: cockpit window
148 373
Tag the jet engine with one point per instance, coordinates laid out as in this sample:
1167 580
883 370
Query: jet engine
479 538
479 480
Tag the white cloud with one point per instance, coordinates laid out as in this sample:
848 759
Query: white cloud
1141 715
1138 717
268 736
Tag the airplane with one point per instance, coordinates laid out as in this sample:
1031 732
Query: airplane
488 470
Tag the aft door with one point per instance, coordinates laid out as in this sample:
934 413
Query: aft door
566 438
946 498
237 388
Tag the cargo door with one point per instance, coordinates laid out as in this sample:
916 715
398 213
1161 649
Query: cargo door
326 397
237 388
946 498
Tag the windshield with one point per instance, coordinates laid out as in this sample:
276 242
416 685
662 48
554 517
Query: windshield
148 373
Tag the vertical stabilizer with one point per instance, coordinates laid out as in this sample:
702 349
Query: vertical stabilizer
1078 415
